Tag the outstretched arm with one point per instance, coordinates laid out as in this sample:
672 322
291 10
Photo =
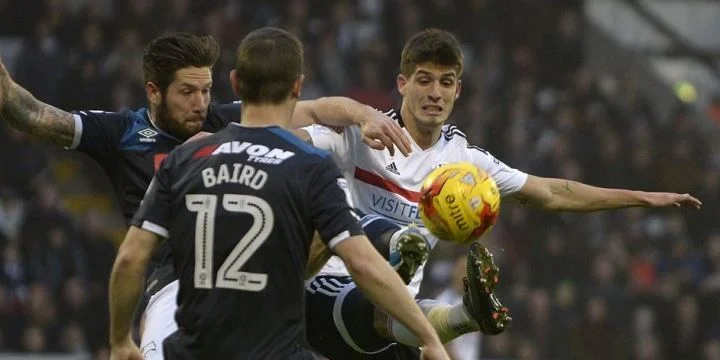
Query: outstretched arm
26 113
379 131
567 195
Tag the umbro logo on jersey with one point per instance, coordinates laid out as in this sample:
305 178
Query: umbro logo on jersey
392 168
147 135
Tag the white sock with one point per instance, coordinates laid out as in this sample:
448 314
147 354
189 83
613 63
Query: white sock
460 320
450 322
404 335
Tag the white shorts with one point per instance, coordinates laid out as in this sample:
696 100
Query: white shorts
159 321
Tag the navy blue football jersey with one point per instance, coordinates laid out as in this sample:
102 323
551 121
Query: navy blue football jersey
129 148
239 209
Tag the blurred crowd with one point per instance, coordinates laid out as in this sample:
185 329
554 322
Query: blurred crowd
629 284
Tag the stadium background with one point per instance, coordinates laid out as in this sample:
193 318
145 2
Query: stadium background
613 93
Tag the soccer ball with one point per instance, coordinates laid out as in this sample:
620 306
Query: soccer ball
459 202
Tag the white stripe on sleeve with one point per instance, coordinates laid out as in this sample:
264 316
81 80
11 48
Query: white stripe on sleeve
338 239
78 133
155 229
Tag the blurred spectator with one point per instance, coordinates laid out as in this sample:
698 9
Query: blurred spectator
594 335
14 274
39 64
27 168
43 327
368 86
73 340
34 340
12 214
712 350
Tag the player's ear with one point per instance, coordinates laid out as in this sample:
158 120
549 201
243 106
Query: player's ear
153 93
234 83
297 87
457 91
401 84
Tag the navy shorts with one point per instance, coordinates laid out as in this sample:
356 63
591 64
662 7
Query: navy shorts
340 323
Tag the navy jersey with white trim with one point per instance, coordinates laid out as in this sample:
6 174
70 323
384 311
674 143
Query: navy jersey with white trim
129 147
239 209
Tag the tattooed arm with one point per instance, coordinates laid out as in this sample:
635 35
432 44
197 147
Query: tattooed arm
26 113
567 195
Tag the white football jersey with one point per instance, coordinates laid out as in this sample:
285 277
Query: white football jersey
389 185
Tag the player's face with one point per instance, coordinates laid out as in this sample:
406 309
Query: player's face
185 102
429 94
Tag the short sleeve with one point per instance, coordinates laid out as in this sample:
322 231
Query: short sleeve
154 212
339 142
330 204
508 180
98 133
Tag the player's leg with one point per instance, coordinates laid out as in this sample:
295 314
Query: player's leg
340 323
159 315
479 311
405 248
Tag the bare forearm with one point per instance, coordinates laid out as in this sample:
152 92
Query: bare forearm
381 284
568 195
126 283
319 255
26 113
333 111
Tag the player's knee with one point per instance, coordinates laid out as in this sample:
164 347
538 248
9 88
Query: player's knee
379 230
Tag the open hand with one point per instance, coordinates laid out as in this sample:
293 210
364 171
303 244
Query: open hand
380 131
659 199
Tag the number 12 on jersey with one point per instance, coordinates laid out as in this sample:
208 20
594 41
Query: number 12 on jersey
230 275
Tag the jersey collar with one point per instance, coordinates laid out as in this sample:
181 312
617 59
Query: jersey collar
399 118
400 121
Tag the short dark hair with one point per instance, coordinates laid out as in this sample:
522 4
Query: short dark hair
268 62
167 54
434 46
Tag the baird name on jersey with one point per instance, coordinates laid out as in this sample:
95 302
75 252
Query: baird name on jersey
242 174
